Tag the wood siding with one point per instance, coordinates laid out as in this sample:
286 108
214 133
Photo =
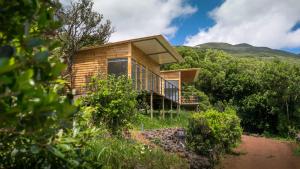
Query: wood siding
90 62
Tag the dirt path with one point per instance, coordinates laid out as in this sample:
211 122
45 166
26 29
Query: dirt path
261 153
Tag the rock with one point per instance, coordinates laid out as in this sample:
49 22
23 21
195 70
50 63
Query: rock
198 162
173 140
298 138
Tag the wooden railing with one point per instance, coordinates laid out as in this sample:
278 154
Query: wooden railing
146 80
189 99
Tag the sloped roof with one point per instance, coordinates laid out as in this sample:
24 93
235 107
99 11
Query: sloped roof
187 75
156 47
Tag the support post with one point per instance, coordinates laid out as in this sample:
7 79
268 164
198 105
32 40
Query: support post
163 107
171 109
151 105
178 109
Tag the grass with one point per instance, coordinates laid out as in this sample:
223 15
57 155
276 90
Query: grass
277 137
146 123
120 153
296 151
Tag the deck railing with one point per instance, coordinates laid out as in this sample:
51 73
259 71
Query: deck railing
189 98
146 80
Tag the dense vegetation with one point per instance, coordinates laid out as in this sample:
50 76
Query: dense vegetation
266 93
212 133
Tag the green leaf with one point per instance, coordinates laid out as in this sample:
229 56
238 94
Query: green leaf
74 163
34 149
64 147
56 152
42 56
34 42
7 65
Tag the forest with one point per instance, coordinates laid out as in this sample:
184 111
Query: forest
264 91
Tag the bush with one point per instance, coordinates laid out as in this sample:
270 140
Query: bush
213 132
112 102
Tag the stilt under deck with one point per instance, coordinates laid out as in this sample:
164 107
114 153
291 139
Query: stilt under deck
161 104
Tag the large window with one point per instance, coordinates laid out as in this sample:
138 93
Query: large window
143 77
118 66
138 75
170 91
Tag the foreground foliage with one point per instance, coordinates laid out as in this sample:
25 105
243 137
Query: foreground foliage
265 92
39 128
212 132
31 110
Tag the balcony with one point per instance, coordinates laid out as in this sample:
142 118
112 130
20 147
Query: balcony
146 80
189 100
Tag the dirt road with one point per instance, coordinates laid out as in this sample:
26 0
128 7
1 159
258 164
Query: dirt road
261 153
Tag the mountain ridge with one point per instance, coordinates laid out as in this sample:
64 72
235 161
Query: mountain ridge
244 49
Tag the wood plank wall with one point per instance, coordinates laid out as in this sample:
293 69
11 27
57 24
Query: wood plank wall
90 62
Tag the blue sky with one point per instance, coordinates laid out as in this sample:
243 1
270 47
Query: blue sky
268 23
202 20
199 20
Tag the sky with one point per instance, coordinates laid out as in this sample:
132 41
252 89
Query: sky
269 23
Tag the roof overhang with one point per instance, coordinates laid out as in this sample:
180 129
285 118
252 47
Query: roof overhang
187 75
156 47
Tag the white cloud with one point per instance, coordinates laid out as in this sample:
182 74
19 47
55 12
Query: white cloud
257 22
136 18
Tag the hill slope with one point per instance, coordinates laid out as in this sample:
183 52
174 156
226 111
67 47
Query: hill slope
244 49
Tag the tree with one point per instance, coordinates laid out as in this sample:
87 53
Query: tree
81 27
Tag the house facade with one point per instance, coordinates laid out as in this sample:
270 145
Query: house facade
140 59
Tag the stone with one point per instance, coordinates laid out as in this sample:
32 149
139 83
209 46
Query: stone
298 138
173 140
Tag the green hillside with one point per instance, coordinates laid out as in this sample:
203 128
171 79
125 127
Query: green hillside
244 49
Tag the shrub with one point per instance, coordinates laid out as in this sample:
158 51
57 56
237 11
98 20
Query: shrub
213 131
112 102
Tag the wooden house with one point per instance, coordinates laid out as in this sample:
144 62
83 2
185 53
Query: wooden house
140 59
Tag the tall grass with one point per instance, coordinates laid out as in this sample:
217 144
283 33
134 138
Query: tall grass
118 153
146 123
